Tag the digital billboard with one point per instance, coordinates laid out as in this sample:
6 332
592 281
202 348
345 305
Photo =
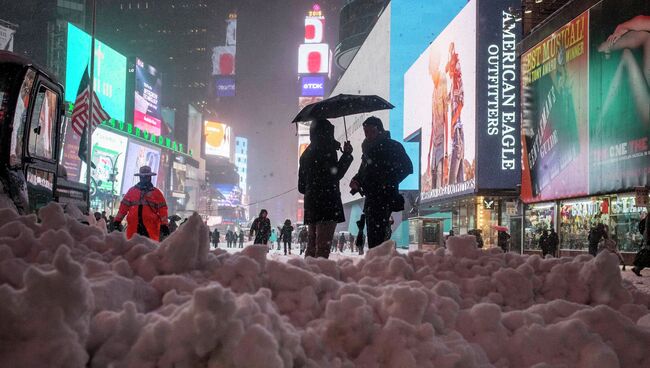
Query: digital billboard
304 101
147 111
217 138
179 177
619 95
232 195
555 129
109 150
139 155
109 72
313 58
586 106
440 103
312 86
225 87
314 29
223 60
413 25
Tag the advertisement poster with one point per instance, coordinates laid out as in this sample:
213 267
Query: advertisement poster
440 99
619 85
109 151
217 139
231 195
139 155
179 176
110 72
555 114
70 159
146 112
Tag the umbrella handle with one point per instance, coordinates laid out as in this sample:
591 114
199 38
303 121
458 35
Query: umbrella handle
345 126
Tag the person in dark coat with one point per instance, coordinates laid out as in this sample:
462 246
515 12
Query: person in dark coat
261 227
285 234
553 243
543 243
302 239
215 238
503 238
384 164
319 175
241 238
595 235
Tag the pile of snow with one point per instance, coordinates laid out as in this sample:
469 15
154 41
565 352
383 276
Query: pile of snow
73 296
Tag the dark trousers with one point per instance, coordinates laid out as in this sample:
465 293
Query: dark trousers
241 243
593 249
287 246
377 213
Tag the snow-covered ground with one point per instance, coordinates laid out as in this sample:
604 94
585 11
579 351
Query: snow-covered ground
73 297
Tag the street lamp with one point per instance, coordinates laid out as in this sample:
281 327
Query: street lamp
112 177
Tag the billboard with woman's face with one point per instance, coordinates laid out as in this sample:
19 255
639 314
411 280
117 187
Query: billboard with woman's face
586 98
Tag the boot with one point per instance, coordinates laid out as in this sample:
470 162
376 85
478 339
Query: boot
636 271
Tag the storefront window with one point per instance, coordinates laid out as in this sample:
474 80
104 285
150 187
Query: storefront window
624 222
539 217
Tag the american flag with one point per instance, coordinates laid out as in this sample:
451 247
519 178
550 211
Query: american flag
81 106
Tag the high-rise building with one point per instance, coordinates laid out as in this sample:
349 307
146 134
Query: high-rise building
175 36
44 20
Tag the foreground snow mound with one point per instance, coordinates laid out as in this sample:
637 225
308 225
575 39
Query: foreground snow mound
73 296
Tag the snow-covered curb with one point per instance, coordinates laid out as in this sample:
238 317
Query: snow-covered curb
73 296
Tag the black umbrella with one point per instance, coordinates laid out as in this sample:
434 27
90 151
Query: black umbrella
341 106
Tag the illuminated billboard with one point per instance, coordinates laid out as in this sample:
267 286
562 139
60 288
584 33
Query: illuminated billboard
109 151
440 103
110 72
223 60
313 58
139 155
148 85
217 138
555 136
586 106
232 195
312 86
225 87
304 101
314 29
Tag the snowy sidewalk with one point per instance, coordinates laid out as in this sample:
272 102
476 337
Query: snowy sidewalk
641 283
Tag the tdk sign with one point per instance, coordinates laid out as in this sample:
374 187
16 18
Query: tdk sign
313 86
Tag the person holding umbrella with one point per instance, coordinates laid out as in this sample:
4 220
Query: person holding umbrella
384 164
319 175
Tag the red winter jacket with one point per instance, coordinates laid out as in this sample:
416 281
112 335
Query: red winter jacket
154 211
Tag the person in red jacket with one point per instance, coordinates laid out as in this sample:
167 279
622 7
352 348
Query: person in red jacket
145 208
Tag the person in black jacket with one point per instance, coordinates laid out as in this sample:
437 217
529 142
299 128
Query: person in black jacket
384 164
262 228
319 175
594 237
285 234
543 243
552 243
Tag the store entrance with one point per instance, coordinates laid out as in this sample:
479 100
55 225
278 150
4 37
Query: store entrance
516 226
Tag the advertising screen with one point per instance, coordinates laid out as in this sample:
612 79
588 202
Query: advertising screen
223 60
313 58
304 101
217 139
139 155
231 195
108 149
555 123
179 177
312 86
110 72
148 85
314 29
619 95
225 87
440 100
422 21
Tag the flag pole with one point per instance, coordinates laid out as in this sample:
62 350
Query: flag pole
91 87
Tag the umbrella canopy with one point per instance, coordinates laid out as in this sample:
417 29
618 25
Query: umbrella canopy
342 105
499 228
